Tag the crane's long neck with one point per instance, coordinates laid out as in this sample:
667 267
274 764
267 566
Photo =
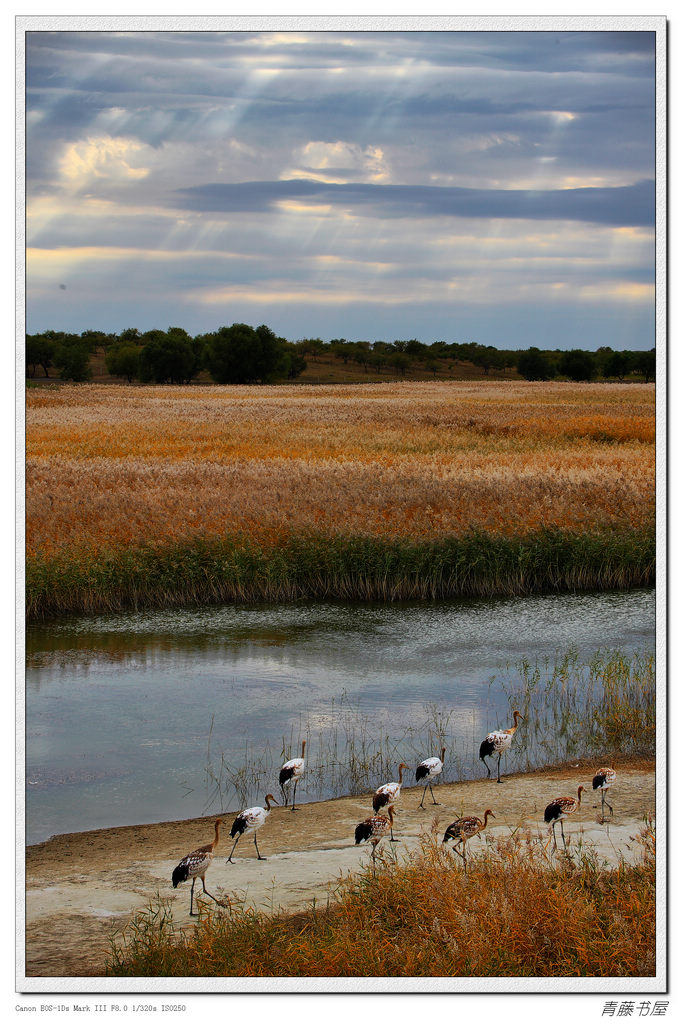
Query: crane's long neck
485 821
217 835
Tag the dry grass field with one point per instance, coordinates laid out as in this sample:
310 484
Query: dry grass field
120 472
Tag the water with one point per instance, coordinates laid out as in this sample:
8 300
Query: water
132 718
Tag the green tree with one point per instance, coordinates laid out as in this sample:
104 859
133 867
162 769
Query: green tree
72 358
400 361
293 362
169 357
241 355
39 352
645 363
618 365
534 364
416 349
314 347
124 361
577 364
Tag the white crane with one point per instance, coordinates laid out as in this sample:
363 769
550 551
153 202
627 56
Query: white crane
249 821
386 795
292 770
603 780
498 742
558 809
195 865
428 769
466 828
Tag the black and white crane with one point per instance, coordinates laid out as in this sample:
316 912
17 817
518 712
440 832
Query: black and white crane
386 795
428 769
498 742
603 780
249 821
291 771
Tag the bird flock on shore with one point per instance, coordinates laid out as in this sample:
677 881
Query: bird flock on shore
375 828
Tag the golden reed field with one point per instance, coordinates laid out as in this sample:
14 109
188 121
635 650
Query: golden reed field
113 470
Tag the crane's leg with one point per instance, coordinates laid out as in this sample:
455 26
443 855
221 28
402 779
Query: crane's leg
285 795
191 899
554 833
561 822
393 839
499 758
605 801
293 806
455 848
432 796
423 795
486 765
206 892
255 839
229 859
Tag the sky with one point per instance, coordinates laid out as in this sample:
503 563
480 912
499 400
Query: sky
495 187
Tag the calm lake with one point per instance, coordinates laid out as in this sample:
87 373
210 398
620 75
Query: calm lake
163 715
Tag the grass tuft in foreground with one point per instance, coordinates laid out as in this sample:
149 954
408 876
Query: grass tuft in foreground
515 912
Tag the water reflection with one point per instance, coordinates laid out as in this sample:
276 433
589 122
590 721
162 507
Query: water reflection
124 713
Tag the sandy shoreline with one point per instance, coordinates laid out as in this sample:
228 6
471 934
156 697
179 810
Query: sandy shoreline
80 887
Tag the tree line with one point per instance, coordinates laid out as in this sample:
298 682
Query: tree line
242 354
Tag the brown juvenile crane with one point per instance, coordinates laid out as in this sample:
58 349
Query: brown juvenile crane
195 865
557 811
465 828
372 830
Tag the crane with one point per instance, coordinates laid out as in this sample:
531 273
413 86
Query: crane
195 865
428 769
292 770
466 828
498 742
249 821
558 809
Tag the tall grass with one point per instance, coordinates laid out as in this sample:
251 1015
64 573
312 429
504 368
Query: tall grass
573 709
604 708
316 566
174 495
515 913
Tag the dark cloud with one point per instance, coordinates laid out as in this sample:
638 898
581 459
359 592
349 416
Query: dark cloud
631 205
168 159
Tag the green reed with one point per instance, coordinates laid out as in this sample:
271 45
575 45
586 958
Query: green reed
210 570
571 708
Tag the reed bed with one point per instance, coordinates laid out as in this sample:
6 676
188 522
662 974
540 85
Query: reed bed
173 495
605 707
516 912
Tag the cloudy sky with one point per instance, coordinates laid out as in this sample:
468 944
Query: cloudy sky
495 187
